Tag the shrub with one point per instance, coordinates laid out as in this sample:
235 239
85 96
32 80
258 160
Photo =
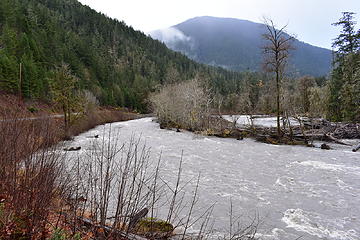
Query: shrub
29 176
183 105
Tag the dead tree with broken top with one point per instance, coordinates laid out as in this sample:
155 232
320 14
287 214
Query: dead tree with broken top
276 53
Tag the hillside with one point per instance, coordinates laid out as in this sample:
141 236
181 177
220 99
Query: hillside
236 44
118 65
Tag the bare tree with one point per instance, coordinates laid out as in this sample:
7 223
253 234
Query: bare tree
276 53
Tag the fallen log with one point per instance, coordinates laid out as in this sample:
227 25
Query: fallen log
356 148
332 138
108 230
71 149
349 131
314 136
136 218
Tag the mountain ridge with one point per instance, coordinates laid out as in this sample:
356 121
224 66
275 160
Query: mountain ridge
236 45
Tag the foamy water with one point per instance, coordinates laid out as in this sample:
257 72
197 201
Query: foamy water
264 121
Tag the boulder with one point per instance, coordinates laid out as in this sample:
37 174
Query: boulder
325 146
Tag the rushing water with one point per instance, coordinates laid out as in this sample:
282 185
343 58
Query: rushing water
297 191
259 120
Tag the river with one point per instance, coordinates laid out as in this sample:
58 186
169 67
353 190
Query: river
297 191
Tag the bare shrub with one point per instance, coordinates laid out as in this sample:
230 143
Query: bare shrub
115 179
30 173
241 231
185 105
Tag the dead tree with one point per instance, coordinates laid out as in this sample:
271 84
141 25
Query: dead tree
276 53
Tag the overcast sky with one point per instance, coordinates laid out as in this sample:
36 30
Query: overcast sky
309 20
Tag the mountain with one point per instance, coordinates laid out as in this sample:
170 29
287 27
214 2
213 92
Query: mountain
236 44
118 65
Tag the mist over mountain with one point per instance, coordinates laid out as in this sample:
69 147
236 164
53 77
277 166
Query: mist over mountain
236 44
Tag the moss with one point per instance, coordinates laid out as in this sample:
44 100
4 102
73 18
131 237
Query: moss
153 225
33 109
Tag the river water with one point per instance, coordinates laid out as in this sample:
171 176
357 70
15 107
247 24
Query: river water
297 191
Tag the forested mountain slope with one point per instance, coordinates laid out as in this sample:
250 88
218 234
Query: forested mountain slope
236 44
118 65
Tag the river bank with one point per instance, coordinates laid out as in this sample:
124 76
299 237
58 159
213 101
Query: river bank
294 131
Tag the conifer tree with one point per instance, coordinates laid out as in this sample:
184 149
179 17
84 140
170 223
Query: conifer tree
64 92
343 103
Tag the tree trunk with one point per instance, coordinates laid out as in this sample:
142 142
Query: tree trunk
278 103
20 81
332 138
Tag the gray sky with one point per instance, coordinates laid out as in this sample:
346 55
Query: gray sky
309 20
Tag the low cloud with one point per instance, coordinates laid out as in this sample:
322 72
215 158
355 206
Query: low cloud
170 35
176 40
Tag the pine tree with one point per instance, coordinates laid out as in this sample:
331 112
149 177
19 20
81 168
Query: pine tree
342 103
64 92
348 41
9 73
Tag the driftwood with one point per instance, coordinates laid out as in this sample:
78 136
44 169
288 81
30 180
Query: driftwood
105 230
321 137
332 138
356 148
72 149
308 131
313 136
137 217
108 231
96 136
349 131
